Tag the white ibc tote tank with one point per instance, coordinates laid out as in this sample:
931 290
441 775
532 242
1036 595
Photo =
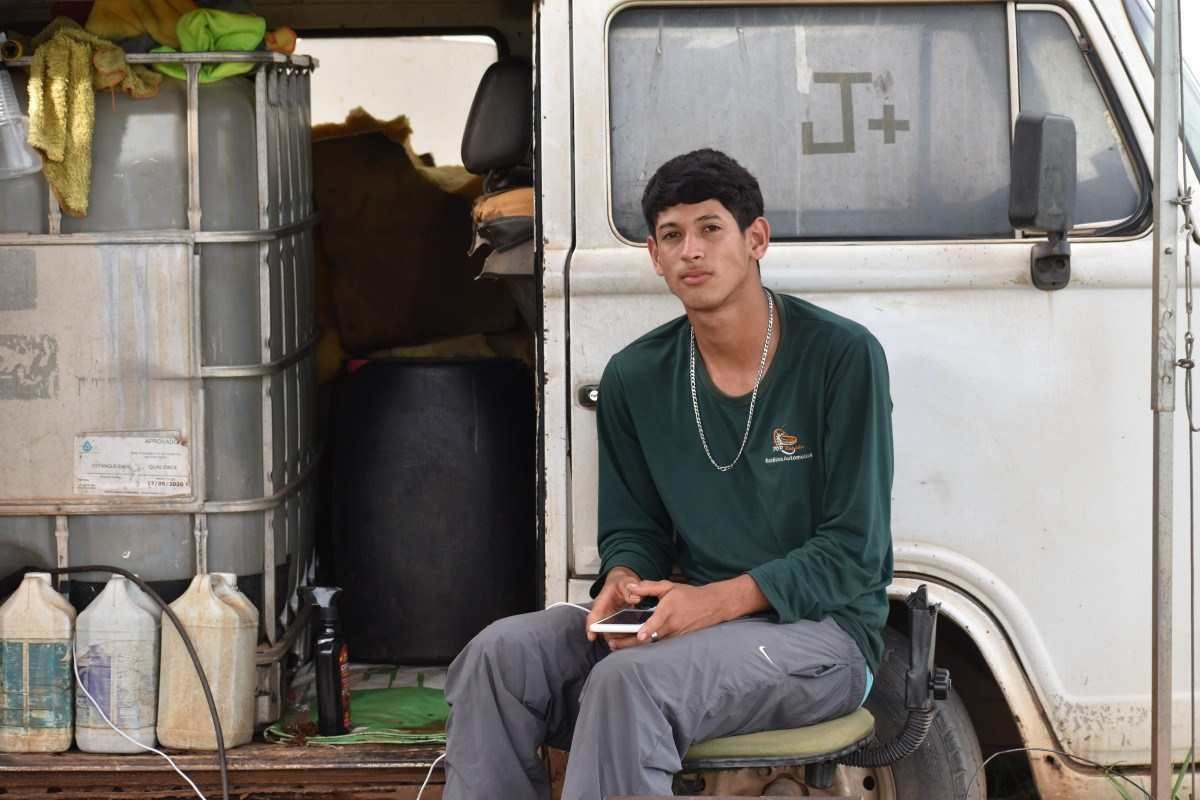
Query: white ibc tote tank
36 625
116 646
174 324
223 627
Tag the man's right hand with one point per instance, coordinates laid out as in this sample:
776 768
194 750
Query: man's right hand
613 597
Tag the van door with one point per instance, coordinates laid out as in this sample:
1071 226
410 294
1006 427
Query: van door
1022 441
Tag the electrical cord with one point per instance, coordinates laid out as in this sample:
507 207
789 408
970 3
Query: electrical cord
222 761
429 775
83 688
187 642
584 609
1068 756
911 736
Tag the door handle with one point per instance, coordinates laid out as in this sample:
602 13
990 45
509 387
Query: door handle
589 395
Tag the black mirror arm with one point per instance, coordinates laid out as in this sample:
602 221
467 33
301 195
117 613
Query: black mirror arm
1050 262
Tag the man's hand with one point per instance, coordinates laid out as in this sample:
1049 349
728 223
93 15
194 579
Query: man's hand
683 608
615 596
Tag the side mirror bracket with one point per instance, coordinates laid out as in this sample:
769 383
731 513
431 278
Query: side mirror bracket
1042 193
1050 262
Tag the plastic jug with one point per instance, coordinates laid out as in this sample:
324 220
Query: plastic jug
16 157
224 631
226 585
116 645
55 597
36 625
143 600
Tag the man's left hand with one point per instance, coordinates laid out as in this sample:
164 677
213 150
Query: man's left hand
683 608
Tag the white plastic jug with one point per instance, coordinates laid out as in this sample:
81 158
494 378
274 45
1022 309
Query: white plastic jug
143 600
116 646
17 158
224 632
225 583
36 677
55 597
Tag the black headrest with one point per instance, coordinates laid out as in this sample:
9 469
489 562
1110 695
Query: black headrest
499 130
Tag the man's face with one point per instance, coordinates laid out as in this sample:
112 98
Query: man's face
705 260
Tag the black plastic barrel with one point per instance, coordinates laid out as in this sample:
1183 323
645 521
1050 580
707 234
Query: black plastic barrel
433 504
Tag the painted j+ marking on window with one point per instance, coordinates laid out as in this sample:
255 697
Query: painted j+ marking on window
845 81
888 124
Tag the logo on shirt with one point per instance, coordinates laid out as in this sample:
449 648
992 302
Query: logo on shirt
784 442
789 446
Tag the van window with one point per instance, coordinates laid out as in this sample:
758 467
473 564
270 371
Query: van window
1055 78
907 138
1141 17
408 76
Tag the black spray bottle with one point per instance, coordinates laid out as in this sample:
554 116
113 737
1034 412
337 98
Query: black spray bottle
333 663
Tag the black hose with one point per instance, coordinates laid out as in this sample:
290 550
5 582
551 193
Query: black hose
187 643
916 726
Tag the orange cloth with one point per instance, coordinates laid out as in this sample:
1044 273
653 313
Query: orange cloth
281 40
509 203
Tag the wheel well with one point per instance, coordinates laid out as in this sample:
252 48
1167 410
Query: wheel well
991 716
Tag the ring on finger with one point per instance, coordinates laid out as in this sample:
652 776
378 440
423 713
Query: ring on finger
654 636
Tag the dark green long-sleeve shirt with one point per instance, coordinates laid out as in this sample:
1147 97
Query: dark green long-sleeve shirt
806 511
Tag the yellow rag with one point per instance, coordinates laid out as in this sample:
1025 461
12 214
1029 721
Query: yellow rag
69 64
124 19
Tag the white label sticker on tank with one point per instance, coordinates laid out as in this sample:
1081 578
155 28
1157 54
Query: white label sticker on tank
147 463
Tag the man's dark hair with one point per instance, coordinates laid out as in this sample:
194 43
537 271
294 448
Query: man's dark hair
701 175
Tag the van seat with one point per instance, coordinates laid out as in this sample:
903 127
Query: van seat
498 138
498 144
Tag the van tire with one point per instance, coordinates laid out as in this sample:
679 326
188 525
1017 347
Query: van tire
948 758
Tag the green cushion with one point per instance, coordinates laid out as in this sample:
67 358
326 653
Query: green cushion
830 736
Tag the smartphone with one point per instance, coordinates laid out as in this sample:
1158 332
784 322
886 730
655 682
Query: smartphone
627 620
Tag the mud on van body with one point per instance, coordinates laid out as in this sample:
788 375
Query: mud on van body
880 132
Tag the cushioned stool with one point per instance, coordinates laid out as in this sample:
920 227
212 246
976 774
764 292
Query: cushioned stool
817 746
849 739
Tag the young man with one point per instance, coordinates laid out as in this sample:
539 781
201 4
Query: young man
748 443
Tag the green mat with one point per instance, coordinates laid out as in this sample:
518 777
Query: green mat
401 715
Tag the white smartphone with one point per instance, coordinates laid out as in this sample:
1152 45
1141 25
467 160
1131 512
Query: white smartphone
627 620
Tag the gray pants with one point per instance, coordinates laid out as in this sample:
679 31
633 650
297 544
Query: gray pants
627 717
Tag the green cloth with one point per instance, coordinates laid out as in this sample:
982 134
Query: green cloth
807 510
208 30
401 715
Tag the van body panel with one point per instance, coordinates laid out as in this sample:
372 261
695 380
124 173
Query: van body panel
556 229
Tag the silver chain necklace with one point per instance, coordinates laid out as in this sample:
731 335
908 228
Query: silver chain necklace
762 368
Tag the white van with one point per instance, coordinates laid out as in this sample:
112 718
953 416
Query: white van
880 132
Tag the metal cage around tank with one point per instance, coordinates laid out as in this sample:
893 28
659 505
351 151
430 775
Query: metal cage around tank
187 320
